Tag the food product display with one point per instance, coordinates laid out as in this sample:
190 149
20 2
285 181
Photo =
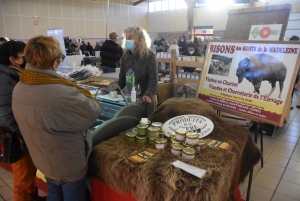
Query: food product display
160 143
191 138
176 149
130 136
151 140
200 146
188 153
183 142
142 129
141 139
180 134
158 124
153 131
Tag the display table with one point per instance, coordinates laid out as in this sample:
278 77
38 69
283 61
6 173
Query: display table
74 58
158 179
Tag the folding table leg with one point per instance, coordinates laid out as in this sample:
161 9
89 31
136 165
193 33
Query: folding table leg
251 171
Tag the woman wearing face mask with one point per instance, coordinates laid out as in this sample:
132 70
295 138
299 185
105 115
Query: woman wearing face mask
182 44
12 62
191 51
53 115
138 56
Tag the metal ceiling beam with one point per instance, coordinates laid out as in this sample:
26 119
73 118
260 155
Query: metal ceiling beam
138 2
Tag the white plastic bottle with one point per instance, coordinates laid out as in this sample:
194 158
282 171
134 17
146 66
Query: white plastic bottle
133 94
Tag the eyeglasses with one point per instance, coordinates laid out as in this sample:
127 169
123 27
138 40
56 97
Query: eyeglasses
63 58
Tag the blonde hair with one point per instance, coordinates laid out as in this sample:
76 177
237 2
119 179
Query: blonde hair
42 51
143 37
175 42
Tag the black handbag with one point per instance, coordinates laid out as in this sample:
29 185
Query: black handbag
11 147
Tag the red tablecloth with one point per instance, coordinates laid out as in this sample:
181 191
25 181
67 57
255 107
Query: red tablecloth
102 192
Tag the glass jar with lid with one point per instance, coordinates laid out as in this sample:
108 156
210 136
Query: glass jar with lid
160 143
191 138
188 153
176 149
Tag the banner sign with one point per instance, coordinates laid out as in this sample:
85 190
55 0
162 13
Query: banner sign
255 79
265 32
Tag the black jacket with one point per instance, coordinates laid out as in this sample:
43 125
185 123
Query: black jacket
97 48
183 46
9 77
110 53
90 49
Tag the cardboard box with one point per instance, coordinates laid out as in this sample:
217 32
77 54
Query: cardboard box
164 92
235 119
167 90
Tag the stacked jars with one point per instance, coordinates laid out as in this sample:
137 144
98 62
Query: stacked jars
142 132
184 143
147 132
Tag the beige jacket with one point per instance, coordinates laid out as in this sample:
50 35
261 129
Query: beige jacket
53 120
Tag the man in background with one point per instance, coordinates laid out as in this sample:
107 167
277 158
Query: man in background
110 54
83 47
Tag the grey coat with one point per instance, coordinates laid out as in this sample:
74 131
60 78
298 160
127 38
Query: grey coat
145 72
53 119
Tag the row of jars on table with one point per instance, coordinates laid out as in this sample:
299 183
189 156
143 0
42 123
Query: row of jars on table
183 142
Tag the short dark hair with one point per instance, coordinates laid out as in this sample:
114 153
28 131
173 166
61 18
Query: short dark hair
191 44
112 35
295 38
3 39
10 49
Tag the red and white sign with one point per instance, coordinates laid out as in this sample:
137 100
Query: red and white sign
35 22
265 32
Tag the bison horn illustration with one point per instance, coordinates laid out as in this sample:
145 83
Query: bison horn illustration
262 67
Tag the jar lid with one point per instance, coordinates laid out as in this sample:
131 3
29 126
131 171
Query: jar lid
181 131
172 135
192 135
177 146
161 132
174 141
157 124
135 130
152 138
131 134
142 126
144 123
201 142
141 137
160 140
186 145
152 128
189 151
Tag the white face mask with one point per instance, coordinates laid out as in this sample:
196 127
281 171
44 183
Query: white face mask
182 40
191 52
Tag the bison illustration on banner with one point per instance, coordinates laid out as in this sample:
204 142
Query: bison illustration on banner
262 67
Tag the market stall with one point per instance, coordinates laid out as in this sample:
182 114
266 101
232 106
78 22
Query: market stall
158 179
